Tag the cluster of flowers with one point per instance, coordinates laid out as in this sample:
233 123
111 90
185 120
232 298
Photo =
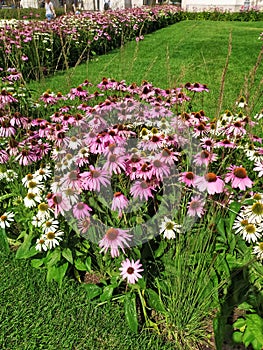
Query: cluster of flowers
23 40
129 137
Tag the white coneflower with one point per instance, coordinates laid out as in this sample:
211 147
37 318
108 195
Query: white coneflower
254 212
35 187
31 200
10 175
250 232
5 219
258 251
43 173
28 178
52 238
43 211
41 244
169 228
50 225
36 221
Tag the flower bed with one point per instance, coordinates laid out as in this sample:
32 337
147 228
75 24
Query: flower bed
37 48
126 189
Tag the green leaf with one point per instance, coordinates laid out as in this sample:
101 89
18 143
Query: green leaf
3 241
80 265
23 252
154 301
92 290
53 257
67 254
36 263
107 293
88 263
160 250
248 338
131 312
221 227
240 323
57 273
237 337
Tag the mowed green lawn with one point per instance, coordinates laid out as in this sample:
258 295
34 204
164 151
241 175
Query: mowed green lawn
34 315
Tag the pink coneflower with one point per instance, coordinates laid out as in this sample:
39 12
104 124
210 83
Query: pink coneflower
83 225
81 210
6 129
238 177
77 92
236 129
48 98
115 164
225 143
167 156
93 179
113 240
188 177
204 158
259 167
130 270
3 157
142 189
119 202
207 143
196 206
71 180
26 157
59 203
159 169
210 183
154 143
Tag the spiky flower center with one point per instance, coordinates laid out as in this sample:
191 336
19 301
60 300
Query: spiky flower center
73 175
3 218
189 175
95 174
112 234
157 163
250 229
51 235
144 185
211 177
42 207
194 204
32 184
73 139
112 158
244 222
31 195
130 270
29 177
257 208
117 194
240 172
260 246
204 155
166 152
80 206
169 225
